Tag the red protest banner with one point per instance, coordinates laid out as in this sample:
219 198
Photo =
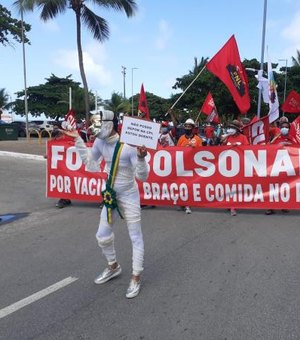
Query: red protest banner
67 176
249 177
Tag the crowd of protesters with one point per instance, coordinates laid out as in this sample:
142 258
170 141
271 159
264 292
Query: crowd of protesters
121 187
191 135
186 135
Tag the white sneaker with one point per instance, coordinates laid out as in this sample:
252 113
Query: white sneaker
188 210
133 289
108 274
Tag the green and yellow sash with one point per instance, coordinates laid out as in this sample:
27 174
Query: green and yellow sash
109 194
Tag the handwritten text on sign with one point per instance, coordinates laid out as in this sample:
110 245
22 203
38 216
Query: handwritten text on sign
140 132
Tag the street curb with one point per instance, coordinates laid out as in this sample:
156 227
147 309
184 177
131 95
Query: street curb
22 155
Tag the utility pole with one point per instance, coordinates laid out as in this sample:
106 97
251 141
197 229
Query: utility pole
124 75
262 55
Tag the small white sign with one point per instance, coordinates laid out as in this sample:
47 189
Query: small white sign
140 132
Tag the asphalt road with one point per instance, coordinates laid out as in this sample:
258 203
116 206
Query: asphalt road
207 275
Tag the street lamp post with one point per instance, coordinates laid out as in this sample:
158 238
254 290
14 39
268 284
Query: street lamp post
133 68
124 75
285 78
96 101
24 70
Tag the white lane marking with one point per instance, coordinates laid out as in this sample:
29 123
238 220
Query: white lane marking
22 155
36 296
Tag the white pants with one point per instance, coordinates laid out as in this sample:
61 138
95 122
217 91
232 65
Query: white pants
129 205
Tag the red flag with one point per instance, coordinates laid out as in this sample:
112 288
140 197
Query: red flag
227 66
257 131
143 110
209 108
292 103
253 120
295 129
70 122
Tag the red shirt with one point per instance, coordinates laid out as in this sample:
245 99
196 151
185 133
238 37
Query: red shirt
120 128
284 140
274 131
238 139
209 131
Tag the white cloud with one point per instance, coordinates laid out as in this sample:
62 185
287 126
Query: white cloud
291 33
165 33
94 56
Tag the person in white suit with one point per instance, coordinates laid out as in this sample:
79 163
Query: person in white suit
131 165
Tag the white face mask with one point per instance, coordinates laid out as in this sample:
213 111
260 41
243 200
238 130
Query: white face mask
284 131
105 130
231 131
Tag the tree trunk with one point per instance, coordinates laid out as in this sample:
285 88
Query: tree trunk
81 67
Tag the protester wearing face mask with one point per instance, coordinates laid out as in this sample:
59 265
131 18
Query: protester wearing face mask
284 137
235 137
189 139
165 138
121 194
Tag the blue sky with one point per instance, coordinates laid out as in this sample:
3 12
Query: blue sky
161 41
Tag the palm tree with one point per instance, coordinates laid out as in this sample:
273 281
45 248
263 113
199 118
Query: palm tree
198 65
3 100
97 25
296 61
117 103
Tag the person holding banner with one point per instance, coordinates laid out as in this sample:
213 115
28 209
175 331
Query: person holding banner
283 138
235 137
209 133
189 139
56 134
124 163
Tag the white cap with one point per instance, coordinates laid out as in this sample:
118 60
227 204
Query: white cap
189 121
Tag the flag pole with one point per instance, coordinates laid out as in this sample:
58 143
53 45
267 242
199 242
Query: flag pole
198 116
262 56
183 93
